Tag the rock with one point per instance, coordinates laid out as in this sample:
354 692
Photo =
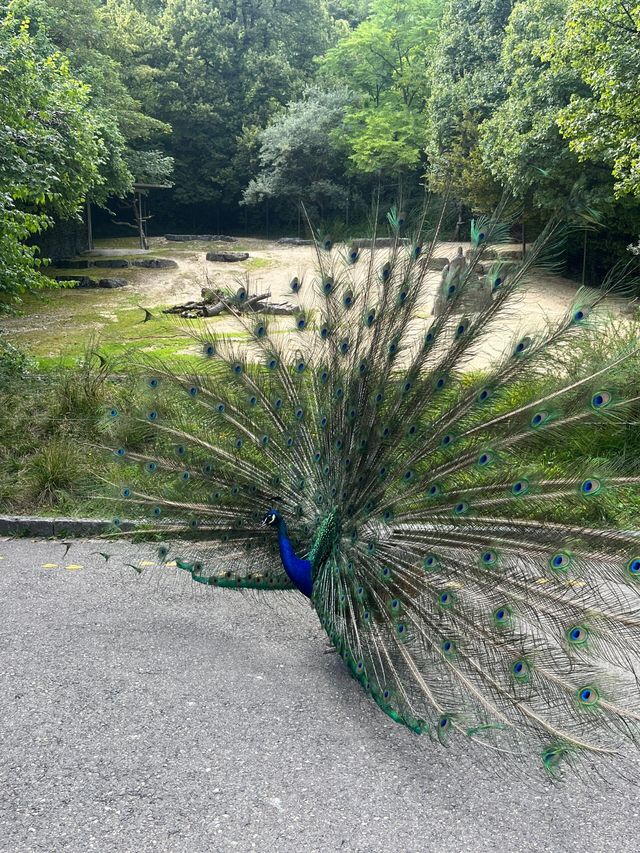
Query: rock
73 264
488 254
631 308
88 282
511 255
109 263
229 257
478 297
294 241
155 263
112 282
214 238
436 263
380 242
458 263
83 280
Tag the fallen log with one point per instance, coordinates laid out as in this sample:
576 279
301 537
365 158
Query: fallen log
216 302
247 305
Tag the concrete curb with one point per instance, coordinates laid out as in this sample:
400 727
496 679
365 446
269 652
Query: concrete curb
33 525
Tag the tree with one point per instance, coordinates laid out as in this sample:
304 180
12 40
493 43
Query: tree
467 85
521 143
87 33
600 42
226 70
301 156
384 59
51 150
351 12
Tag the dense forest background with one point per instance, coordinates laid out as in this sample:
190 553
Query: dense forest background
245 108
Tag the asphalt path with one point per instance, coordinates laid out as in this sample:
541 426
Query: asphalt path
147 713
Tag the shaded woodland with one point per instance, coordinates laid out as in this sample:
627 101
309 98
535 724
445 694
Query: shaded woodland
233 113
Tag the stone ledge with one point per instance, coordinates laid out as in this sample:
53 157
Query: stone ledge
32 525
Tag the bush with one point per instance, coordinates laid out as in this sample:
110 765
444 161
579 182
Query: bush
54 475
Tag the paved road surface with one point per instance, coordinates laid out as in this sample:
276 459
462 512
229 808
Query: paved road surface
136 716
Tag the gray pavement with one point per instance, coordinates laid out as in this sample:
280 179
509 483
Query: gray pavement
138 714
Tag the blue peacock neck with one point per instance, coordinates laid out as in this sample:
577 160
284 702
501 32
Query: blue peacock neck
298 570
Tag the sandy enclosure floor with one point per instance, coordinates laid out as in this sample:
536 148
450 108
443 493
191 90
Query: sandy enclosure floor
270 268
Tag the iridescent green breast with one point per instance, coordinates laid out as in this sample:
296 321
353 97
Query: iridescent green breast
327 537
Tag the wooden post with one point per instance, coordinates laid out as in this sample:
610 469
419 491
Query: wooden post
89 227
137 208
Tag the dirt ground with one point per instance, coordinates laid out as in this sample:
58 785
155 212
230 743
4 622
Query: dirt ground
65 317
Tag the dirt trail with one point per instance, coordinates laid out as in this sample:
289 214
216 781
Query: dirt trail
270 267
544 300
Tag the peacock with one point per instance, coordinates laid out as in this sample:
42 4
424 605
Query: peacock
451 527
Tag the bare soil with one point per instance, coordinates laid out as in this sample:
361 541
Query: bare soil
66 315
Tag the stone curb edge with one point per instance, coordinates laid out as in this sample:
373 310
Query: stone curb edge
32 525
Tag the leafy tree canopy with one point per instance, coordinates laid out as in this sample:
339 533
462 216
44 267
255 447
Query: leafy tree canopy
96 39
385 60
521 142
600 42
301 156
51 149
467 84
226 69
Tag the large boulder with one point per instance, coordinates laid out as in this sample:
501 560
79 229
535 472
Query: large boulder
294 241
109 263
488 254
435 263
154 263
82 280
88 282
511 255
73 264
458 263
228 257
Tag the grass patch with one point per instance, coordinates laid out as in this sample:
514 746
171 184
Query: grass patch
257 264
191 246
117 243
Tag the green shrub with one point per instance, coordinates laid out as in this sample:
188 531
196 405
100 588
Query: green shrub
55 473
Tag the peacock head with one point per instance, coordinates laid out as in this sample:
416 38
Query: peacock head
272 518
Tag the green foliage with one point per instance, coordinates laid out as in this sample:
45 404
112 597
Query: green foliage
19 262
91 37
301 153
467 84
14 364
385 59
521 142
47 423
600 43
225 69
52 474
350 12
50 149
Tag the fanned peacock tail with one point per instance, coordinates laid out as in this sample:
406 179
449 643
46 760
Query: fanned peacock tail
471 583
